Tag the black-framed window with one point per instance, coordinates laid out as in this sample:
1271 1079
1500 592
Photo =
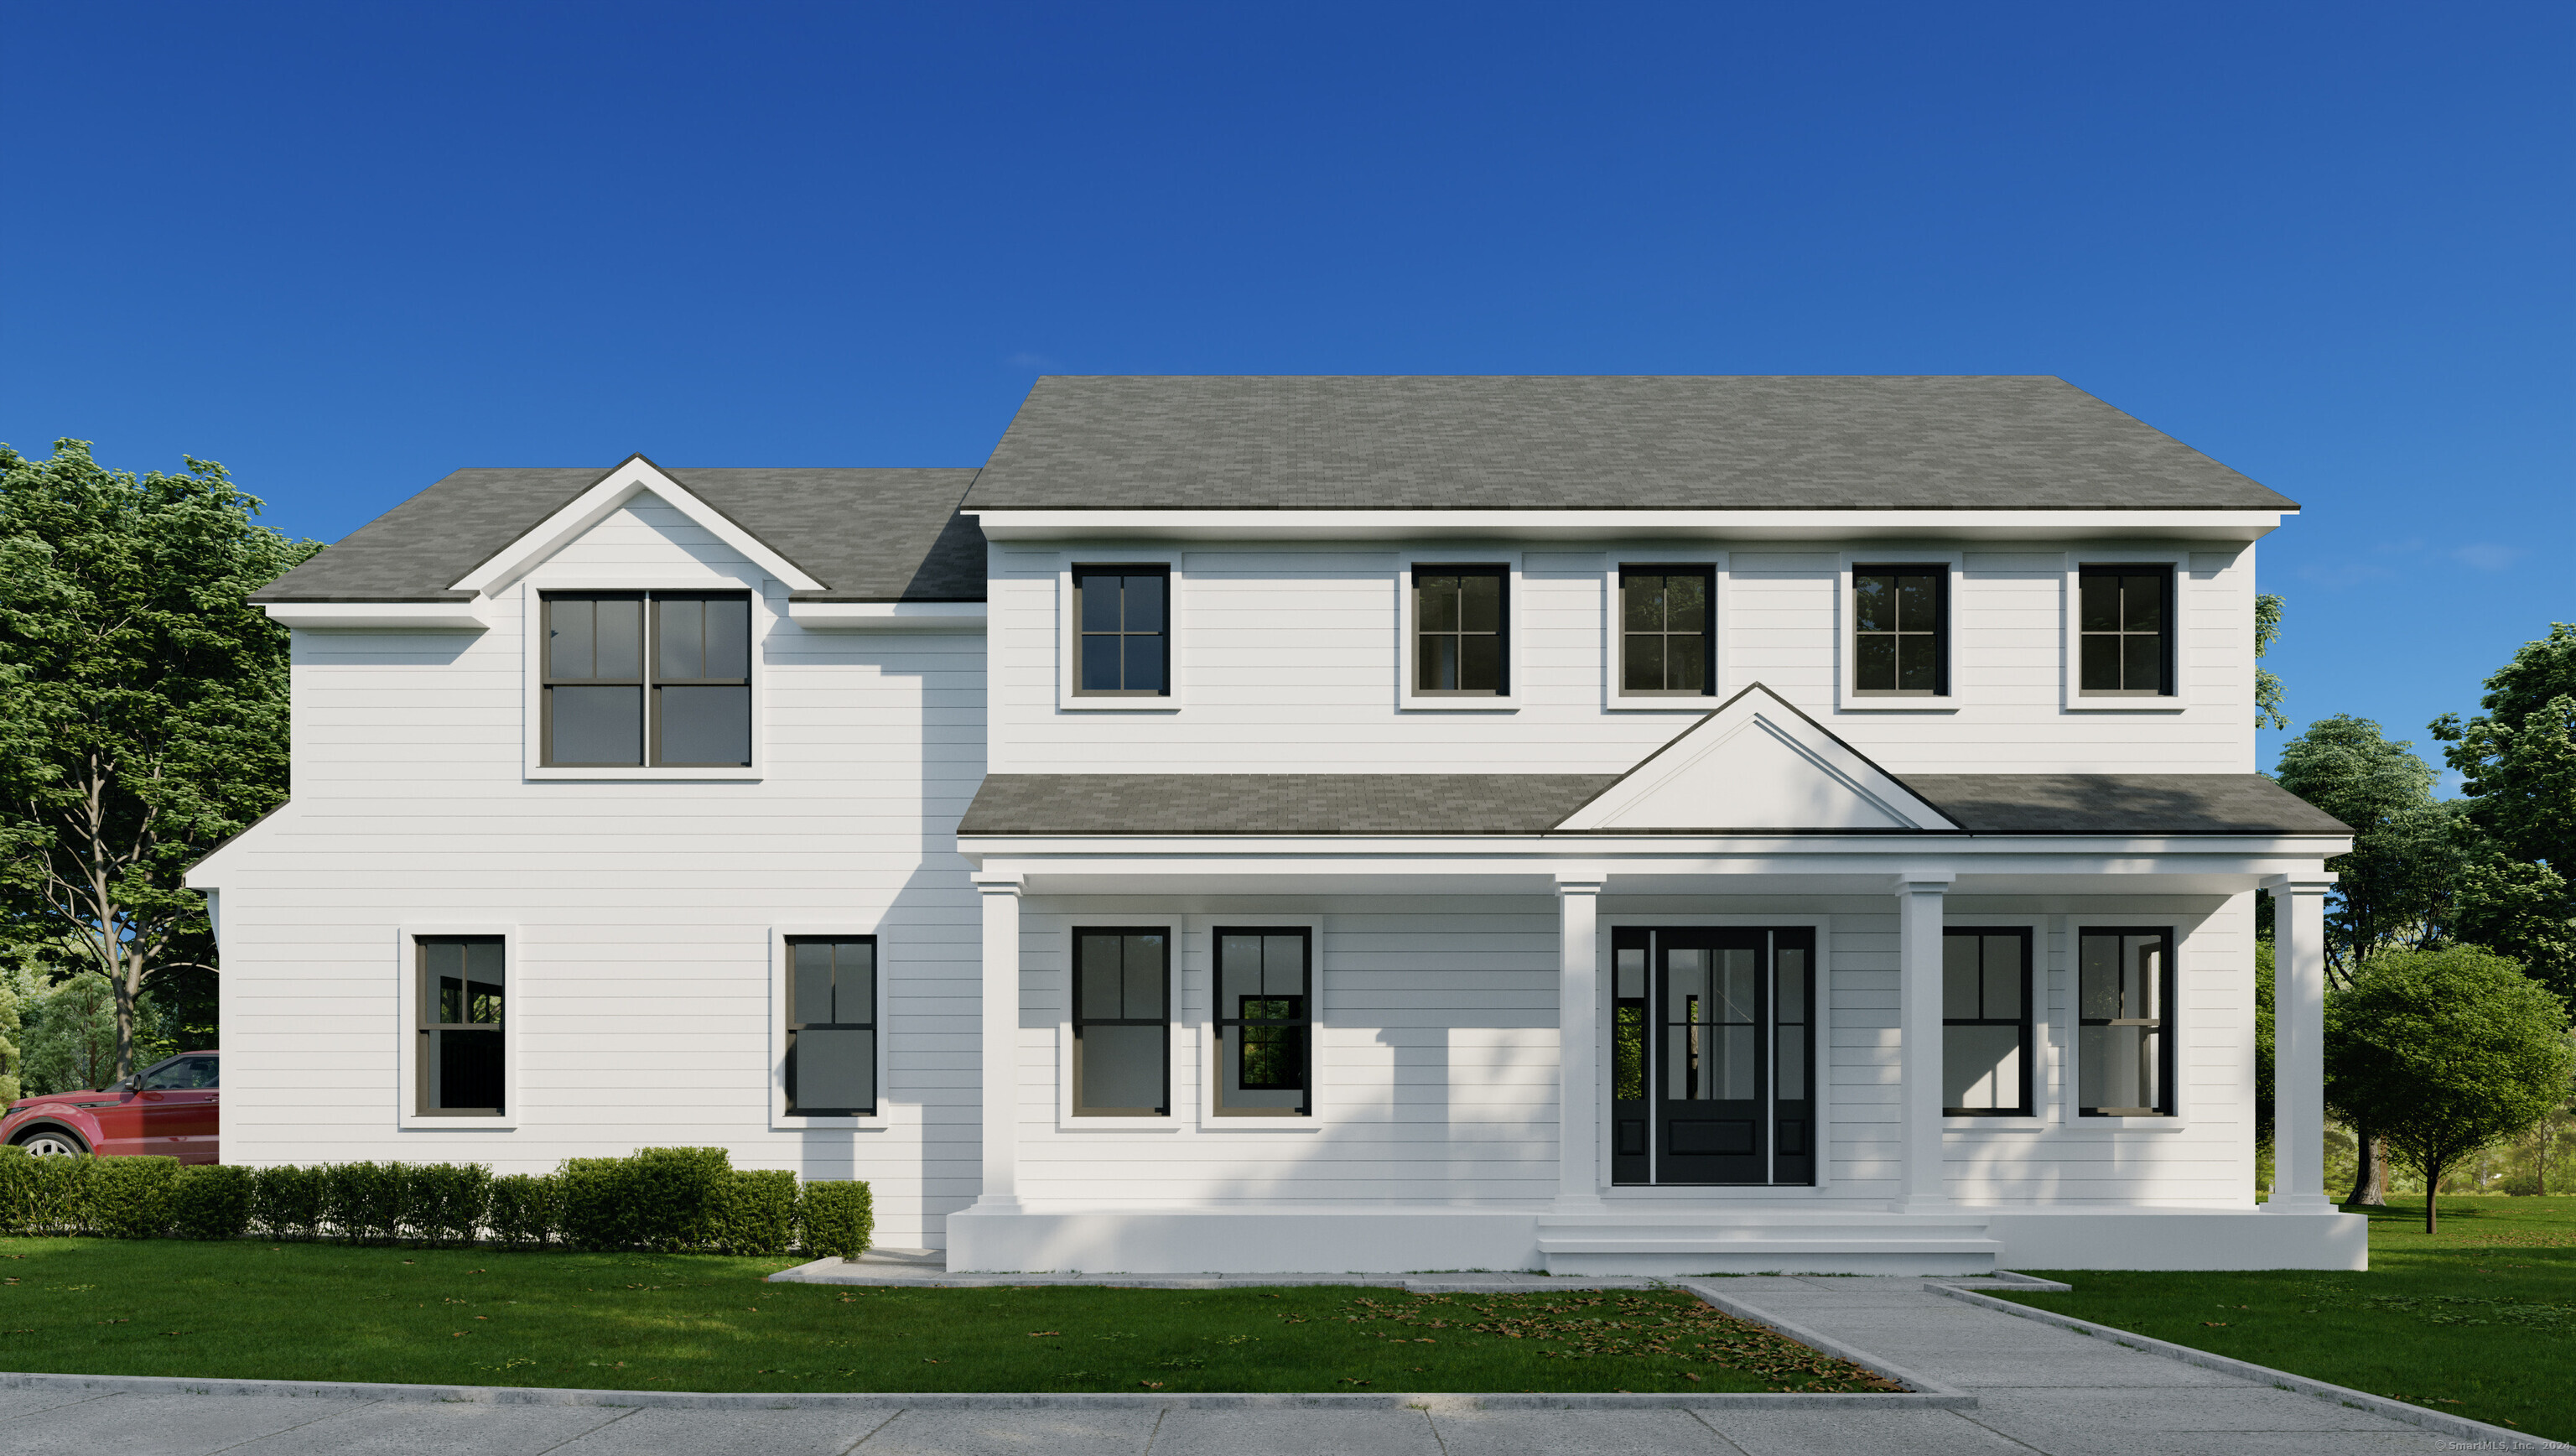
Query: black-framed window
1123 631
1901 630
1985 1021
463 984
832 1025
1122 1045
637 678
2123 1039
1264 1022
2124 630
1461 630
1666 637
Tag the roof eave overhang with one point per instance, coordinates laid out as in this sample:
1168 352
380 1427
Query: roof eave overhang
1295 525
1805 847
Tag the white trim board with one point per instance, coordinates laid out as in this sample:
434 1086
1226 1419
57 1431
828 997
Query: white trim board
636 476
1757 762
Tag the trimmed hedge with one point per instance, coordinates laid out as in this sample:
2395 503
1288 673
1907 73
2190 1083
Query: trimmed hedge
665 1200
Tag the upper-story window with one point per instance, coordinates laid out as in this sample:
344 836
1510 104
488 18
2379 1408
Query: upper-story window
1664 636
2124 623
647 678
1459 636
1901 631
1125 633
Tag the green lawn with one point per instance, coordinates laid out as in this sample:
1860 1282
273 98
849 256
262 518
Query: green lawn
2478 1319
695 1322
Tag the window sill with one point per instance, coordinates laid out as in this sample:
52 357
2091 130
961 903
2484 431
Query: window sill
1218 1122
418 1122
1067 1122
1663 702
645 775
1953 1122
2131 1124
1859 704
2105 703
1461 703
1118 705
790 1122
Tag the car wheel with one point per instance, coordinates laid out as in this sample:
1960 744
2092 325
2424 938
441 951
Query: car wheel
53 1143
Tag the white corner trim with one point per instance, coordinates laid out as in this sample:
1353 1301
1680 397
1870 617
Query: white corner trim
1847 694
1515 609
860 923
406 991
887 616
381 616
635 477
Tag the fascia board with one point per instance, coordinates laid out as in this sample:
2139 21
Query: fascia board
887 616
1326 853
379 616
629 480
2239 526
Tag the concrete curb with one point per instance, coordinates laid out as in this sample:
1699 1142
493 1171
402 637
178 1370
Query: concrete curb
762 1400
1946 1396
2504 1437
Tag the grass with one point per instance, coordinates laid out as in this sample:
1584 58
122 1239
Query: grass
692 1322
2478 1319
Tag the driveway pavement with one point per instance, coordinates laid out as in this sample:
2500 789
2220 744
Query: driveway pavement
2038 1389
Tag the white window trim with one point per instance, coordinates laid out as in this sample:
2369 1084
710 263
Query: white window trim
2047 1109
407 1116
1068 629
780 1119
765 615
1200 982
1821 1066
2070 656
1409 701
1614 667
1848 698
1180 1047
2182 929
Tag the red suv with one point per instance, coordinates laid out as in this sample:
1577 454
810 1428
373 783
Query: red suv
169 1110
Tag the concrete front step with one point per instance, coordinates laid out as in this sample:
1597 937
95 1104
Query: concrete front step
1763 1242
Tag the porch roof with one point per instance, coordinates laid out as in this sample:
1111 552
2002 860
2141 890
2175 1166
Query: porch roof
1380 805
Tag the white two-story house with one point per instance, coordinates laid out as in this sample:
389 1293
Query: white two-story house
1276 824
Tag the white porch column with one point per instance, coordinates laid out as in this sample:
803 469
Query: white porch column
1578 1030
1001 1042
2299 1043
1918 975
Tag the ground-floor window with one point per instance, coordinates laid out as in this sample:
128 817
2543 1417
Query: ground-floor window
832 1026
1985 1022
1264 1022
1122 1045
463 982
2123 1054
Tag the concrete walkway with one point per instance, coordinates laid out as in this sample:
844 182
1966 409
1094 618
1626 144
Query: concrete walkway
2038 1388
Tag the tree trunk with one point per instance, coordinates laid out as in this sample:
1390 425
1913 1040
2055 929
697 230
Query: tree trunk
2432 1192
129 983
2370 1173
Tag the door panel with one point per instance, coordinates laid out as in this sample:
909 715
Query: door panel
1712 1056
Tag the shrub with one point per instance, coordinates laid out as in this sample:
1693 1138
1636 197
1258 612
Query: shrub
662 1199
523 1211
129 1198
212 1201
444 1203
757 1214
362 1202
839 1218
17 1189
287 1202
57 1194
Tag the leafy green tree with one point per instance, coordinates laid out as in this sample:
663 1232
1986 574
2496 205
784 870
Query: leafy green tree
2517 764
2444 1052
2267 684
2393 889
142 704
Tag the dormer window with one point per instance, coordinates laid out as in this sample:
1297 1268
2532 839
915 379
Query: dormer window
638 679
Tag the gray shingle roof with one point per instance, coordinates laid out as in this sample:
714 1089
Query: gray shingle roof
1508 804
867 535
1593 443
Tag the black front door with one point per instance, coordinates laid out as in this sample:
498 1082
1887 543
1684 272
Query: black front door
1711 1049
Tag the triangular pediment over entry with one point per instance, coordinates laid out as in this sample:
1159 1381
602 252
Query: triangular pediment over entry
1757 764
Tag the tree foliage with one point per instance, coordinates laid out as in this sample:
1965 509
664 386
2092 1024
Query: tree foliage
2267 684
142 705
2517 764
2443 1052
2393 890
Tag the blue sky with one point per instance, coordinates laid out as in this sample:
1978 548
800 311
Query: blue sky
345 248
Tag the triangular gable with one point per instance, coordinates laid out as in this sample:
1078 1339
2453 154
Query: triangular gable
1757 764
638 476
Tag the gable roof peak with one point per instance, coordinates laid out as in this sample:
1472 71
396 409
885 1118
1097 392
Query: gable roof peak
1756 763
